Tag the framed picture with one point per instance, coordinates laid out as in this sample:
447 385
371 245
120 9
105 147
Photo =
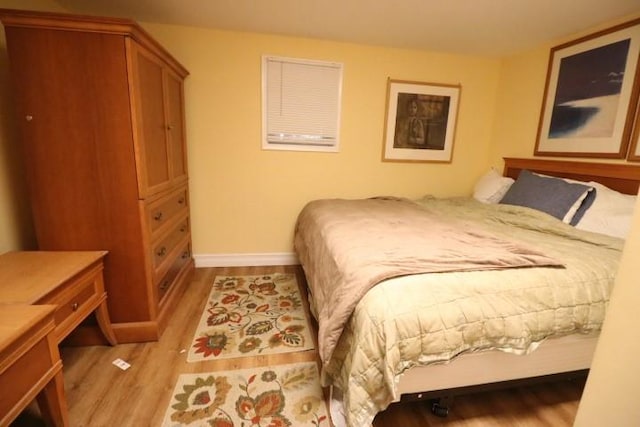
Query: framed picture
590 95
634 150
420 121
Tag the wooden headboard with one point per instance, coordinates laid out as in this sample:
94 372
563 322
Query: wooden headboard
620 177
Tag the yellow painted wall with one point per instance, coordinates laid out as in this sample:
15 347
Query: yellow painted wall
610 396
522 82
519 99
244 199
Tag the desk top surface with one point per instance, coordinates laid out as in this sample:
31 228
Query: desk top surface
16 320
27 277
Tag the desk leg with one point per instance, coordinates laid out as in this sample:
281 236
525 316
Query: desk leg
102 316
52 402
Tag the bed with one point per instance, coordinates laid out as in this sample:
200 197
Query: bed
436 325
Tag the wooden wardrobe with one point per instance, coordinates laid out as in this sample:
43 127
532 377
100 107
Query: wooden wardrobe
100 108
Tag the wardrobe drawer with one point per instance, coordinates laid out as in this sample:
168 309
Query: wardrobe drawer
165 282
161 211
164 248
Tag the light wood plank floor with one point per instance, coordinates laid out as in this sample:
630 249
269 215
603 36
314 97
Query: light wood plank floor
99 394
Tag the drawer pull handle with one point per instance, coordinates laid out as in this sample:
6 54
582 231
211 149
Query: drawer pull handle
185 255
183 229
181 201
158 216
74 306
164 285
162 251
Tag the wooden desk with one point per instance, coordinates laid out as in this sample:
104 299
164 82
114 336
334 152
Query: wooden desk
30 364
70 280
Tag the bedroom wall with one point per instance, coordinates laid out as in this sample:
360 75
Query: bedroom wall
16 229
519 99
245 200
611 394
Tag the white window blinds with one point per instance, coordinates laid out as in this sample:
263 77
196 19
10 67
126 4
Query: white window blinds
301 104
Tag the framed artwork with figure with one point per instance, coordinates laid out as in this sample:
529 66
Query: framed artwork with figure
591 94
420 121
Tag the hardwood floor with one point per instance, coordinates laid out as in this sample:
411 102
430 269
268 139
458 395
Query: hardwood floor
551 405
100 394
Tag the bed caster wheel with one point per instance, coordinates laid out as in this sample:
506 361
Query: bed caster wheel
439 410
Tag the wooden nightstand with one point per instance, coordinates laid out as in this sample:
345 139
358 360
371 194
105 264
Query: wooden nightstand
72 281
30 364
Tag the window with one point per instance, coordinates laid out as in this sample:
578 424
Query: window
300 104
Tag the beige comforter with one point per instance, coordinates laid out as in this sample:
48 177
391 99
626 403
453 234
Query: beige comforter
369 240
428 318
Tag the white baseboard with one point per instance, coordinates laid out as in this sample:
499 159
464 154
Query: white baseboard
245 260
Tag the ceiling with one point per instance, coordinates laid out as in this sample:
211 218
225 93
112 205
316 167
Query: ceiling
482 27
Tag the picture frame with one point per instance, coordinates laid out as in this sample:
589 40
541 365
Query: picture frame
634 149
420 121
590 95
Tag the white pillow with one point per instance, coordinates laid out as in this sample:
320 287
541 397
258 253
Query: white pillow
611 212
491 187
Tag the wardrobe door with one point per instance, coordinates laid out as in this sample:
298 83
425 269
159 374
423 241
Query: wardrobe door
176 130
152 152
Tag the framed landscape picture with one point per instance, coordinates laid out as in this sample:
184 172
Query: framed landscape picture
420 121
590 95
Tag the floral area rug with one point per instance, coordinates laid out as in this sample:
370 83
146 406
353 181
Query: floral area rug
251 315
286 395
